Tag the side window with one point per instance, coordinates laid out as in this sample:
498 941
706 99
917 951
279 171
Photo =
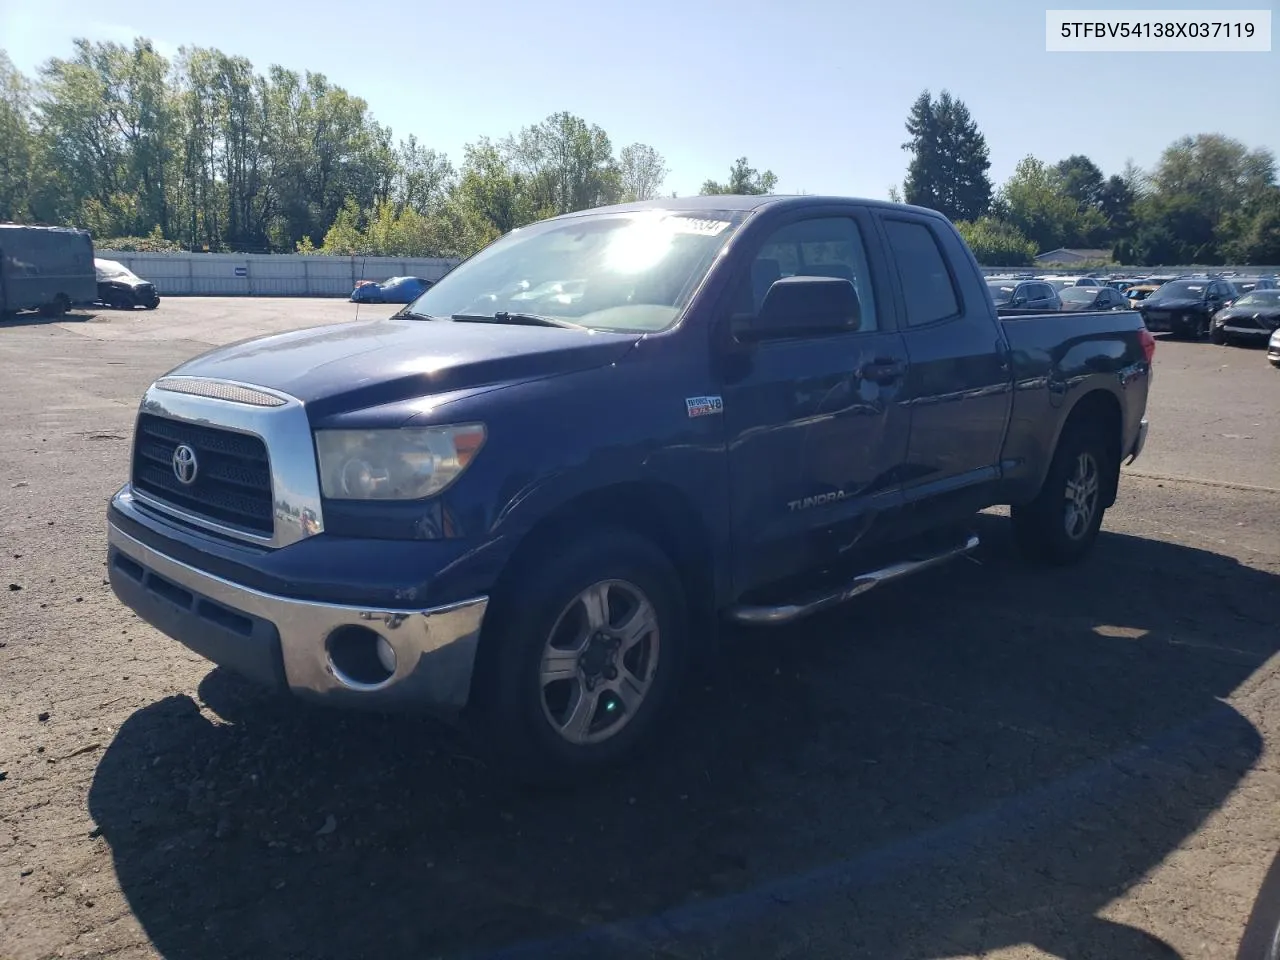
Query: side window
926 285
1042 291
818 247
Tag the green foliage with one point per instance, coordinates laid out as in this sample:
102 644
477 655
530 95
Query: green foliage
154 242
949 159
744 179
1035 202
204 152
996 243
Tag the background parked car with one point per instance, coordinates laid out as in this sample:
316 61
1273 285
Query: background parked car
1250 318
1183 307
1092 298
393 290
1014 296
1062 283
1245 285
1139 291
120 287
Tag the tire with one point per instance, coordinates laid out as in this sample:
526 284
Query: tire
530 724
1053 528
1217 335
57 307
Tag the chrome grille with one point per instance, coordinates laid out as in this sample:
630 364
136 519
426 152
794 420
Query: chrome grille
232 482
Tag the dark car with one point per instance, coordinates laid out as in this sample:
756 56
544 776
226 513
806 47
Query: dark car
1015 297
1245 285
393 290
1251 318
120 287
1093 298
1183 307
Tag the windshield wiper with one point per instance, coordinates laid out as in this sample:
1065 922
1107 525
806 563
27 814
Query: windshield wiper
528 319
413 315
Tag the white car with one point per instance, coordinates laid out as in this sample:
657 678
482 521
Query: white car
1273 348
1061 283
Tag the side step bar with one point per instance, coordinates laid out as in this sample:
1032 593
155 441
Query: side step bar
790 612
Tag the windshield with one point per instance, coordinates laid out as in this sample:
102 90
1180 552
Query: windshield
1002 292
1137 293
630 272
1179 289
1060 284
1260 298
110 270
1079 294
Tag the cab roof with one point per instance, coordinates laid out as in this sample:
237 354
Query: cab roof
745 202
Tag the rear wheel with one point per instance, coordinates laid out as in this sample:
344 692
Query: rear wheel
582 657
1062 523
57 307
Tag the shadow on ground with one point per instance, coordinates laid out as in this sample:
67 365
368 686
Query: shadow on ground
34 319
983 757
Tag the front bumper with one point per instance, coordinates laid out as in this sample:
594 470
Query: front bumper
1140 442
289 644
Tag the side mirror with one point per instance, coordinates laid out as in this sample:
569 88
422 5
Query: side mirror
795 306
1018 302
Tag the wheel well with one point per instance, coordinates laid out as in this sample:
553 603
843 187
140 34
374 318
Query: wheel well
656 511
1101 409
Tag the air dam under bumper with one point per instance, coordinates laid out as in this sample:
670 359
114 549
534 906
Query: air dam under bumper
319 651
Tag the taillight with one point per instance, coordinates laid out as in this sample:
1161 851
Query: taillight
1148 344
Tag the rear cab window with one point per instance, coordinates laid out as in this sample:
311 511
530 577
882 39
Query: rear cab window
928 288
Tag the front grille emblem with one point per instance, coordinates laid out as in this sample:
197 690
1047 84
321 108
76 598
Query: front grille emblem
185 466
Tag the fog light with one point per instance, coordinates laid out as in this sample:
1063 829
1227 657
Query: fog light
386 655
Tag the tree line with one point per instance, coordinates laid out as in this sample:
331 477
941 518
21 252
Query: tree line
204 152
1208 200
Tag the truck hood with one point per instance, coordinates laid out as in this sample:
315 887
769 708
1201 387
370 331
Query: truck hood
351 366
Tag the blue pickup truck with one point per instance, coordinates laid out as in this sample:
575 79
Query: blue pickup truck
529 500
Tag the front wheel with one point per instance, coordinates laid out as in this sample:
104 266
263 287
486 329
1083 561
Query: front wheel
1217 335
1062 523
582 656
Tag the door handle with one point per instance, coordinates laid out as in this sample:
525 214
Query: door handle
883 370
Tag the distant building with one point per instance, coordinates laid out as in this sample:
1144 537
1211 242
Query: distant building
1065 256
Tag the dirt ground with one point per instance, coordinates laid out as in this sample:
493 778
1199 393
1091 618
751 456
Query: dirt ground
987 761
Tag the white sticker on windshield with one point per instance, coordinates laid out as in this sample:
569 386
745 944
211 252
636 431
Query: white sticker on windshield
703 228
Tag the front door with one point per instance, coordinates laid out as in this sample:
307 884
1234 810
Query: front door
816 424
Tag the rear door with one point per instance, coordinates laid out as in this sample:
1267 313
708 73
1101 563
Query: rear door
960 380
817 426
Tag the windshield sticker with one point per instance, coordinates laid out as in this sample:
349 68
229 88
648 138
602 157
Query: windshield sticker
703 228
703 406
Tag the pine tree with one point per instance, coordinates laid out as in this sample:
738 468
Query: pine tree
950 160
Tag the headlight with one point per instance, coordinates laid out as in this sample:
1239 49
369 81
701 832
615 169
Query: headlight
405 464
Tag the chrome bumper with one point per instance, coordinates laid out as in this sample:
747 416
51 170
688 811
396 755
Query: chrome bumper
1140 442
435 649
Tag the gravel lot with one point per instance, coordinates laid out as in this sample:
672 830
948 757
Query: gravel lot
1080 763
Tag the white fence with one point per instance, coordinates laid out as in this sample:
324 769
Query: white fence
292 275
268 275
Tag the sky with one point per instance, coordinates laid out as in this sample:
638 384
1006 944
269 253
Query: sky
815 90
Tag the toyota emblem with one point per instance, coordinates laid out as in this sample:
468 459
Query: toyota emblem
184 464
